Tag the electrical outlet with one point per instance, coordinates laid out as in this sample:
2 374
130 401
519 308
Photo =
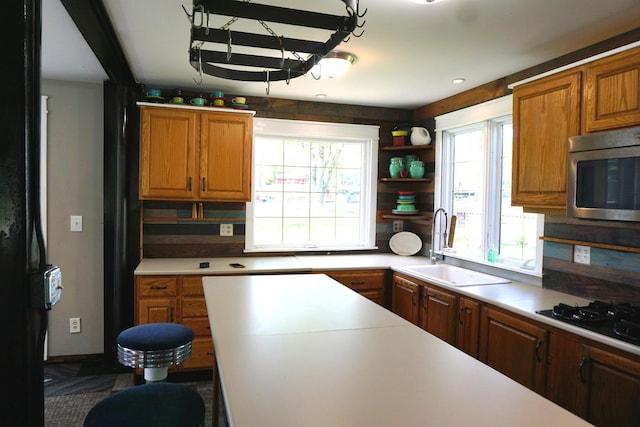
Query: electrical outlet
398 226
74 325
582 254
226 229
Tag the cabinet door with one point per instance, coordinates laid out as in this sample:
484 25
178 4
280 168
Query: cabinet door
468 328
168 153
612 92
156 310
563 367
202 355
611 395
156 299
225 163
545 114
514 347
438 314
405 298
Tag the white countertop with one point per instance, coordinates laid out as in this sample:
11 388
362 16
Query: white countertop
298 350
517 297
270 264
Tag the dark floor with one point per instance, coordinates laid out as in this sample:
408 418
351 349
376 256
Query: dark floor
71 389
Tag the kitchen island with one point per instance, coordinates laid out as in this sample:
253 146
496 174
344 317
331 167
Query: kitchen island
295 350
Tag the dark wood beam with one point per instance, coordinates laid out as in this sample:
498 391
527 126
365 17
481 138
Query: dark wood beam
91 18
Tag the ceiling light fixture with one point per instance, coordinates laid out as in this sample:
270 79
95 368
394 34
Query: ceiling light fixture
333 65
458 80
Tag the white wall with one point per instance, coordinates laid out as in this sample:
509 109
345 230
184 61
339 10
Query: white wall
75 187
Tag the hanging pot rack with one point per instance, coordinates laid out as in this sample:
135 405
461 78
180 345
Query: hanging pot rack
287 63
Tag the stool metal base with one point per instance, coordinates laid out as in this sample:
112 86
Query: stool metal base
154 375
153 358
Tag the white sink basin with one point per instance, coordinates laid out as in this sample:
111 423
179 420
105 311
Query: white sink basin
451 275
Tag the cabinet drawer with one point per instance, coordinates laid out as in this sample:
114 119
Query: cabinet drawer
360 280
157 286
200 325
194 307
202 355
192 285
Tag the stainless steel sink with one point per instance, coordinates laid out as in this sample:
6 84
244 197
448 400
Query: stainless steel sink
451 275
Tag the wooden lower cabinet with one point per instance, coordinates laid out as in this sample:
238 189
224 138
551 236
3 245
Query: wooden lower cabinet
515 347
371 284
438 312
177 299
468 328
611 391
194 315
601 386
406 298
431 308
156 298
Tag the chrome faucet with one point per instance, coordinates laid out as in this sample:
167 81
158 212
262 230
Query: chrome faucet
434 257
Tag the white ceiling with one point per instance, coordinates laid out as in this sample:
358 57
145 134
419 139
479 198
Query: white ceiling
407 57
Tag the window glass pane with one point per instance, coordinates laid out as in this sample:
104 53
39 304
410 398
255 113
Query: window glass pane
518 230
468 190
308 192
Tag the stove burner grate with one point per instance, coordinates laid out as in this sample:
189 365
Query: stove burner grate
619 321
627 329
576 314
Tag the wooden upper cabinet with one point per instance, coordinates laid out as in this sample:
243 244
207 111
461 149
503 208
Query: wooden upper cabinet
225 150
168 153
612 92
195 155
546 113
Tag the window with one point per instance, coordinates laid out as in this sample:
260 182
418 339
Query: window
314 187
474 182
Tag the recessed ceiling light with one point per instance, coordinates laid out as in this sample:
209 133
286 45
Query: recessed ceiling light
321 95
458 81
426 1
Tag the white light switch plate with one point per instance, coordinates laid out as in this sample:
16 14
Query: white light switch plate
76 223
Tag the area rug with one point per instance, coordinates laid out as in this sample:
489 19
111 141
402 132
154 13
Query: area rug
64 379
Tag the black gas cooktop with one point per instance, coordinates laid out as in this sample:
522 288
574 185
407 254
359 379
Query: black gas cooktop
620 321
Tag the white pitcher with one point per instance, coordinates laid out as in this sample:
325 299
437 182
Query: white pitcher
420 136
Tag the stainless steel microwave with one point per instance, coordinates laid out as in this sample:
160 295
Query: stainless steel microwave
603 180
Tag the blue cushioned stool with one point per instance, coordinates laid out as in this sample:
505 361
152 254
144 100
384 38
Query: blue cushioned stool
161 404
155 347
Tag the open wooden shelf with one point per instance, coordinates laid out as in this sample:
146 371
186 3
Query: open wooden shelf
407 147
406 179
189 219
592 244
417 217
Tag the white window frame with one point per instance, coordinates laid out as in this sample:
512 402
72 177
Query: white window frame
499 111
368 135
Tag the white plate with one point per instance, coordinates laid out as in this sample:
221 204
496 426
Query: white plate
405 243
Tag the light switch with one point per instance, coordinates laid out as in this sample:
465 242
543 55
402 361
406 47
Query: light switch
76 223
